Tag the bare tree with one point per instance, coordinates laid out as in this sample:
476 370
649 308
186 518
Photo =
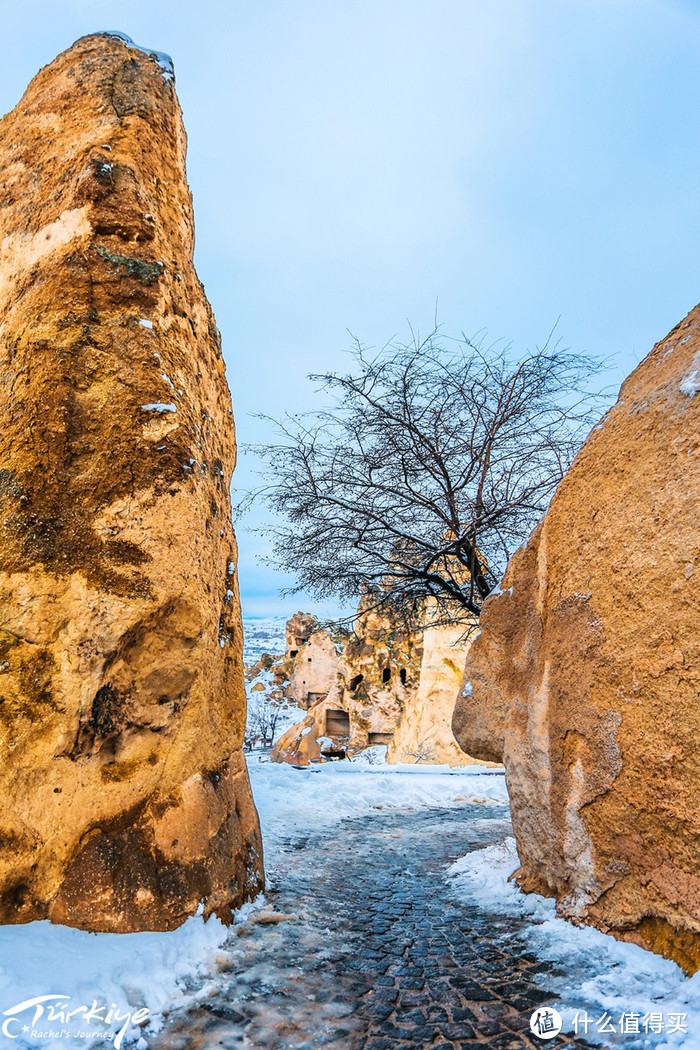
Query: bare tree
263 715
427 469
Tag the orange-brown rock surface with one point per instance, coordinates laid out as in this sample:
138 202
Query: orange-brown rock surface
586 674
125 797
321 735
390 687
297 632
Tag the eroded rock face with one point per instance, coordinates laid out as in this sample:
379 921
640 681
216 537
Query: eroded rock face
297 632
321 736
125 794
586 674
377 673
314 670
424 732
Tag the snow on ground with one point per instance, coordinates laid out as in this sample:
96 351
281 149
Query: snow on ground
136 976
603 976
155 971
121 973
291 799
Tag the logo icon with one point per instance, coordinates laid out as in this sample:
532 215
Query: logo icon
545 1023
41 1013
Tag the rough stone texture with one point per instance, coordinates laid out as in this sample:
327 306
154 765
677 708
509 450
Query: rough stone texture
424 733
586 674
305 743
378 671
125 797
412 717
297 632
314 670
377 952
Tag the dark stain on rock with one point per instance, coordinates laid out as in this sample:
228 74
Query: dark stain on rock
141 269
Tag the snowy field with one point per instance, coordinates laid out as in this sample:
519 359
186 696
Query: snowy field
290 799
263 635
606 978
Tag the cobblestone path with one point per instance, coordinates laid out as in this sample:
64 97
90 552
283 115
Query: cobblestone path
378 954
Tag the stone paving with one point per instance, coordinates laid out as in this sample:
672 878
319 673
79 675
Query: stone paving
377 954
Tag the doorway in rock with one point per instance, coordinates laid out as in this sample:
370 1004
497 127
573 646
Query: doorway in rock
337 723
379 738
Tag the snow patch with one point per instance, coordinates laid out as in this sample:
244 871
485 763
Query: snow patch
596 972
164 61
691 384
371 756
288 798
499 590
131 971
160 406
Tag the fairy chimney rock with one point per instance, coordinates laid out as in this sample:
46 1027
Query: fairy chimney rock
298 630
586 674
314 669
125 794
424 732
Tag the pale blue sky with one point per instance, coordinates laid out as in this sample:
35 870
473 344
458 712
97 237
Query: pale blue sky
352 161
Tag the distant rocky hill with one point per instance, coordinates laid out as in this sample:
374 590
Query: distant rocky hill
263 635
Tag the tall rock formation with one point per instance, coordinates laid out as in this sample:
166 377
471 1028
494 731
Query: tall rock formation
390 687
379 672
125 797
314 669
586 675
297 632
424 732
